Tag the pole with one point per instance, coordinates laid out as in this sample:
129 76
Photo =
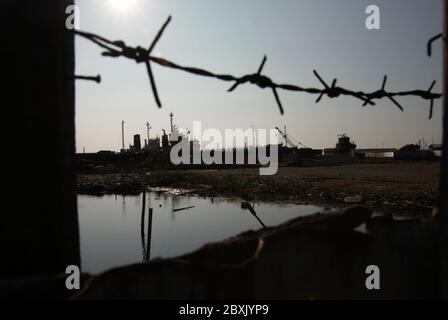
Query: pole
171 121
147 130
122 135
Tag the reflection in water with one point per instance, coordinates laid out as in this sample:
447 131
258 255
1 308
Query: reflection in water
124 205
146 241
248 206
109 225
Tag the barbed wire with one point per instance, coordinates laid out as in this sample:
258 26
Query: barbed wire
139 54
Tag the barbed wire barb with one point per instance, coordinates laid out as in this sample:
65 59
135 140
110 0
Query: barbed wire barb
431 105
97 78
261 81
430 42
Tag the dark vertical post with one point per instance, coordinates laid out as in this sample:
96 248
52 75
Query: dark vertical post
38 234
443 196
149 235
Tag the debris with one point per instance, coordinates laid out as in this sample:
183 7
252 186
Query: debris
185 208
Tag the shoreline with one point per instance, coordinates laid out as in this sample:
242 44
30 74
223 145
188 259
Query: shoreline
403 189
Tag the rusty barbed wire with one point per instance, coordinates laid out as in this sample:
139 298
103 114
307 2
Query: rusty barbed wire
139 54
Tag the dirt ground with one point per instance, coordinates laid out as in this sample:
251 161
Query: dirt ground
399 188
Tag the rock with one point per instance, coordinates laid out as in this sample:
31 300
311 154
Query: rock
353 199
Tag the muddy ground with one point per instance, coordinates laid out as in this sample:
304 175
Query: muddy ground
399 188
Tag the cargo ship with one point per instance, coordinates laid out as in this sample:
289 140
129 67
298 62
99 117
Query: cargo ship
344 146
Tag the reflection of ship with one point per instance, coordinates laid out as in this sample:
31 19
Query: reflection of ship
343 147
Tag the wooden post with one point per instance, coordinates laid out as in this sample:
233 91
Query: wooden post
443 192
39 228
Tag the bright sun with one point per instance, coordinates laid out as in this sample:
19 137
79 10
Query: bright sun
123 6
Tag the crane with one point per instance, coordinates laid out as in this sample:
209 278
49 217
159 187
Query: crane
289 140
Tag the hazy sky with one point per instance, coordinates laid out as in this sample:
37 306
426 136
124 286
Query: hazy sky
232 37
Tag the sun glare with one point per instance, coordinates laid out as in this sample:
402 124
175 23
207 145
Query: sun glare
123 6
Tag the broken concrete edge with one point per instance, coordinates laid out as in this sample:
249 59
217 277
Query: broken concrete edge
246 246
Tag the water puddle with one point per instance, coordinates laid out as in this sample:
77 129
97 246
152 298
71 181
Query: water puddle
115 232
